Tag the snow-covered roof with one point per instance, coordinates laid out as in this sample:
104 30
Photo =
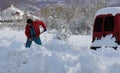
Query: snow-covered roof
108 10
8 12
12 9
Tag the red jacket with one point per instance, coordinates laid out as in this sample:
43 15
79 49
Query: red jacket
36 25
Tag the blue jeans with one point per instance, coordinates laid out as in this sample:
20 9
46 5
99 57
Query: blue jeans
35 39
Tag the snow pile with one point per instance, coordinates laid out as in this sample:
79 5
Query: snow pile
108 40
55 56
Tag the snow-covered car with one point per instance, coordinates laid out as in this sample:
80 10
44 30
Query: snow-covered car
106 22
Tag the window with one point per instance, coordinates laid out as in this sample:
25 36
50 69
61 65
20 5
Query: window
109 23
98 24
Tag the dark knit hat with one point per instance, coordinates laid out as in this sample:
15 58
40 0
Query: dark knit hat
29 21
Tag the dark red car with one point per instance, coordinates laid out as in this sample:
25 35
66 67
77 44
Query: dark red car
107 23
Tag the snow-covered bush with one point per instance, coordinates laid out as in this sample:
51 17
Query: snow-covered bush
62 36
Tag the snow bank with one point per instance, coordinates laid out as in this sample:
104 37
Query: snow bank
54 56
108 41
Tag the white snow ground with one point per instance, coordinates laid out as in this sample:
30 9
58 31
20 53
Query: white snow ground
55 56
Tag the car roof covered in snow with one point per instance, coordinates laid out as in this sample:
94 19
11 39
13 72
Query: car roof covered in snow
108 10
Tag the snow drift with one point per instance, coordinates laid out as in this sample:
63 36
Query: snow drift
55 56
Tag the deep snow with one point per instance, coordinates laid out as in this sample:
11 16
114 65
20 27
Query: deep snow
108 40
108 10
55 56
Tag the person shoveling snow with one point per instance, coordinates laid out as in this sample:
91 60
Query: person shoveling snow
32 32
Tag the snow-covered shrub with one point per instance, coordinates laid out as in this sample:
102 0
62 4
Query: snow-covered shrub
62 36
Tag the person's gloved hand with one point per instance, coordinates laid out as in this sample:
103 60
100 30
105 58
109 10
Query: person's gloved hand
45 29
